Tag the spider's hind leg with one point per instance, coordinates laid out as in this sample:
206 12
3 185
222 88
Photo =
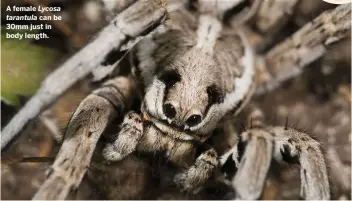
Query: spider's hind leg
294 147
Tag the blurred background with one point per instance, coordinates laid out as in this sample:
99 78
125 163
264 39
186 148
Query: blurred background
318 101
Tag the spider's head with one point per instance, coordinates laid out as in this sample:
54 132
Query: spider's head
184 95
187 99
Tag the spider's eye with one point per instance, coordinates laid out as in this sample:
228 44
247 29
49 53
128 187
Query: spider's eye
170 77
194 120
169 110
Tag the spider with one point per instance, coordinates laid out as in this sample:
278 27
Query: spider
194 74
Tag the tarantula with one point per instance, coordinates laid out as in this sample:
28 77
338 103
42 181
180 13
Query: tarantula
197 72
194 74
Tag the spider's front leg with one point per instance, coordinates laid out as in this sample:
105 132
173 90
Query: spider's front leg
195 176
294 147
82 133
261 143
250 157
127 139
254 164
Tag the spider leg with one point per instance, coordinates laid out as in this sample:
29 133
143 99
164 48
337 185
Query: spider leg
255 119
127 139
83 131
195 176
288 58
254 164
250 158
285 145
294 147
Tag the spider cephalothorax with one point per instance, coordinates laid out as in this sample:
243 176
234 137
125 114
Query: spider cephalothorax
201 80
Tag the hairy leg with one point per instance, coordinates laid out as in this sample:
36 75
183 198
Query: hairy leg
285 145
250 158
230 159
295 147
83 131
127 139
254 164
200 172
286 59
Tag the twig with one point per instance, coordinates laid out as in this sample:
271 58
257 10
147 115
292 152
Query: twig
125 30
13 160
308 44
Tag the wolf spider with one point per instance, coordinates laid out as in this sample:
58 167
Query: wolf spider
191 76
